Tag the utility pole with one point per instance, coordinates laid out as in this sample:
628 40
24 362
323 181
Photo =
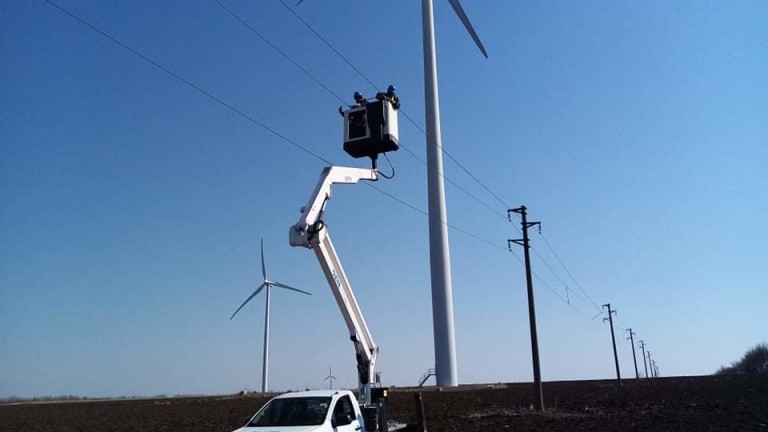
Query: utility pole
613 340
642 347
650 362
531 309
632 339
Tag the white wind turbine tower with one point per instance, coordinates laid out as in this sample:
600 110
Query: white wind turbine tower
446 373
268 284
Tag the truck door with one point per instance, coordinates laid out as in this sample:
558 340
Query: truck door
344 418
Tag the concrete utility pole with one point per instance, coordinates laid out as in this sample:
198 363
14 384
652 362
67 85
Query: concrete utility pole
613 340
632 339
650 362
642 347
531 308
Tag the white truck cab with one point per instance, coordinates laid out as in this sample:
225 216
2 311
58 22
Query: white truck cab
308 411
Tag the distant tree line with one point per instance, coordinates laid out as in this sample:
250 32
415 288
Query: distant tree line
755 361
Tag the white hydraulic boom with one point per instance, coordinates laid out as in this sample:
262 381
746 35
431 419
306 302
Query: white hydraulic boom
310 232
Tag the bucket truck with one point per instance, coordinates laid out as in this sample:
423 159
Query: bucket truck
370 128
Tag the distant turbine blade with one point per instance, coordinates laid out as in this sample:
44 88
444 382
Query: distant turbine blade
278 284
263 266
255 293
300 2
468 25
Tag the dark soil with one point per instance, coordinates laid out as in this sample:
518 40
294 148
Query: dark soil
708 403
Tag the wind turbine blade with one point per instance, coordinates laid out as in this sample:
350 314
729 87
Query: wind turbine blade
263 266
278 284
255 293
468 25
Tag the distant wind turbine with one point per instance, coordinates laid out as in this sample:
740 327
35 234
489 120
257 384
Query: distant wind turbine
330 378
268 284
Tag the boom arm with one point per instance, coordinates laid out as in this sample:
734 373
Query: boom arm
310 232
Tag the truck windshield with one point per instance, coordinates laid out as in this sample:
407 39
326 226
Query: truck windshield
299 411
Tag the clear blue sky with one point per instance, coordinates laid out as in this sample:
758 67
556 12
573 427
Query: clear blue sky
131 205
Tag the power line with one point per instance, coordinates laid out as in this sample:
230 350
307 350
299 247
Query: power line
475 178
459 164
328 44
336 95
578 285
405 114
249 118
620 324
189 83
454 227
344 58
546 264
272 131
277 49
552 290
554 273
296 64
487 242
558 295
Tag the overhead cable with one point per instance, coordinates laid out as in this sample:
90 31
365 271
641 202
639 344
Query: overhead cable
272 131
578 285
251 119
189 83
456 161
404 113
336 95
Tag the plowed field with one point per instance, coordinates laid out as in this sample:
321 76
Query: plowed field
708 403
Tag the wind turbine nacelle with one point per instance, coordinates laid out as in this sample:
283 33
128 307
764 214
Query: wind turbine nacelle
371 128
